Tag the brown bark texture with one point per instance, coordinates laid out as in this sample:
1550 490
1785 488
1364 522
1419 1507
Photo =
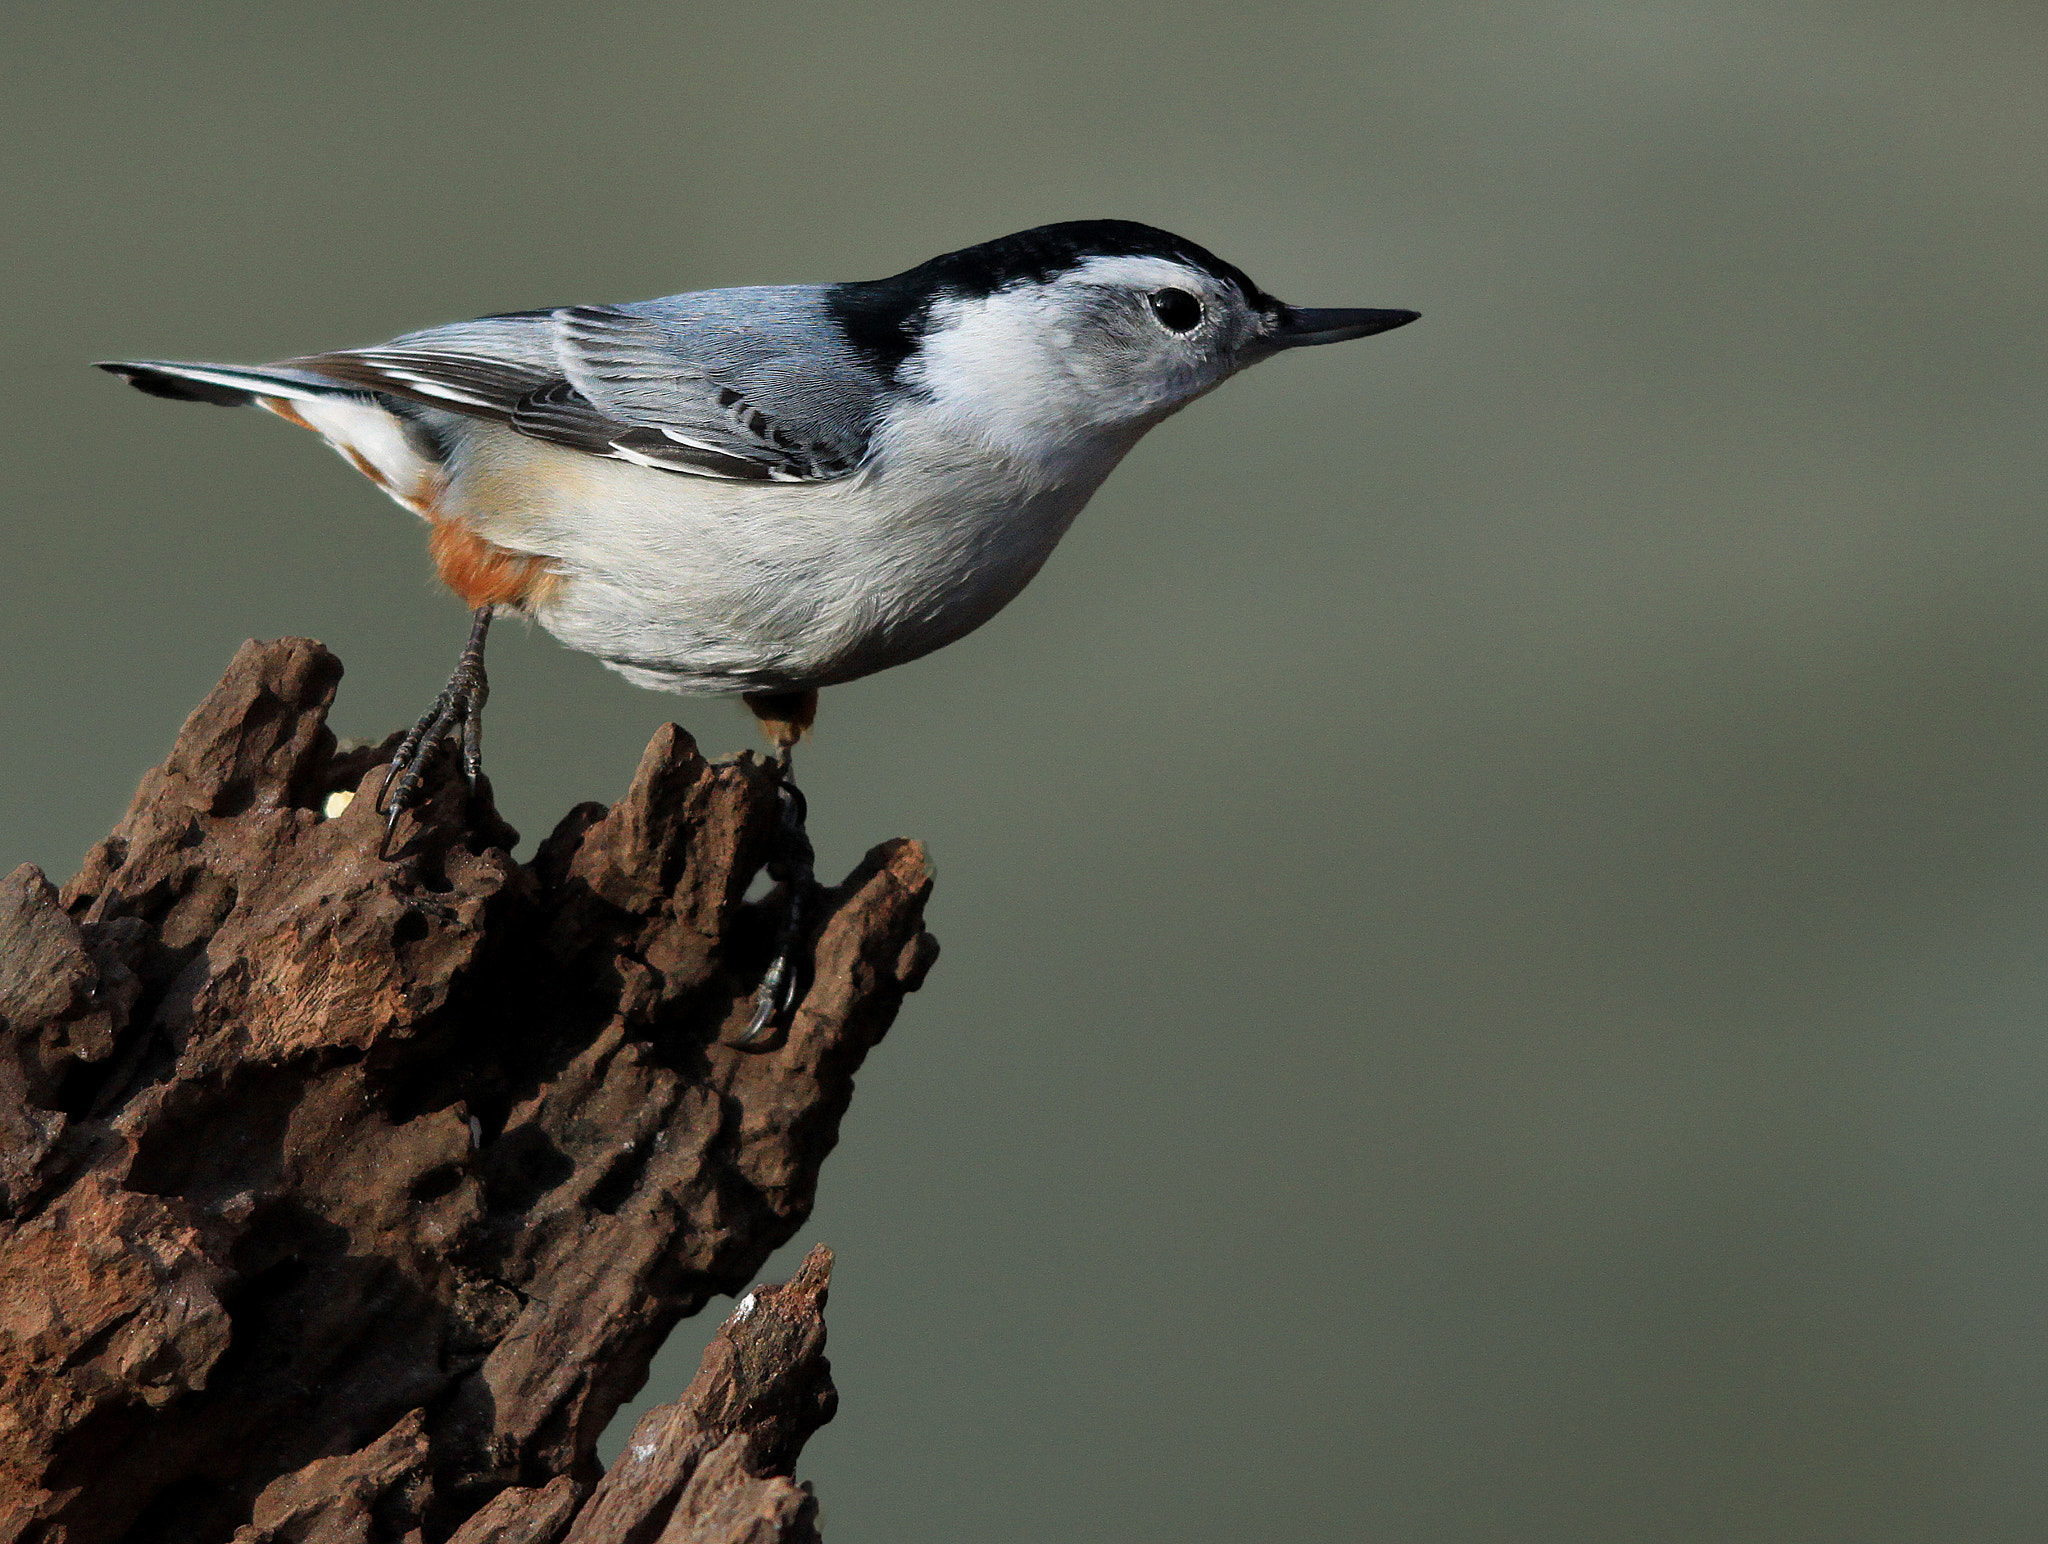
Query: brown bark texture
346 1200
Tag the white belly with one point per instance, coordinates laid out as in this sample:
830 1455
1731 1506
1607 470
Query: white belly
695 585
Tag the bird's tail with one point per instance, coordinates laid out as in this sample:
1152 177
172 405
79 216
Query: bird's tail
383 438
226 385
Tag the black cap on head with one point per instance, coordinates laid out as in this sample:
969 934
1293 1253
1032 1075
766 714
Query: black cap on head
1046 250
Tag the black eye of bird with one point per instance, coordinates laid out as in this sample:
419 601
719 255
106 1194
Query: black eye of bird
1177 310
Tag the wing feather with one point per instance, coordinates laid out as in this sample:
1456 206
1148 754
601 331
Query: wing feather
484 386
686 379
673 387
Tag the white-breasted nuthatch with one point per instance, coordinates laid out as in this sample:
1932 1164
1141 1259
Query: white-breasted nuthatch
769 490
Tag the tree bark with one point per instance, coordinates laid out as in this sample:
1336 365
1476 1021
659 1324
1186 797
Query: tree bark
347 1200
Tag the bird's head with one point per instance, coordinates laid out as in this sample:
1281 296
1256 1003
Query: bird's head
1078 330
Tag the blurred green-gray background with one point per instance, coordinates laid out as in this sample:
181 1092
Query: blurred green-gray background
1495 892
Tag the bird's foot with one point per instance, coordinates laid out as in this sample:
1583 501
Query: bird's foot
790 867
457 714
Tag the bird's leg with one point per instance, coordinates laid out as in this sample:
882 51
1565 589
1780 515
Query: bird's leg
791 868
785 715
458 710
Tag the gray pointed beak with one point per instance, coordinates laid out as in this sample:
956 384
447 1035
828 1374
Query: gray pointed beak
1297 328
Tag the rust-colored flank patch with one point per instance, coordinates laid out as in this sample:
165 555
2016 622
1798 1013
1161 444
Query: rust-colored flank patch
481 573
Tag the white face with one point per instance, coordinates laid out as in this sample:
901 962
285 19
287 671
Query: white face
1147 335
1100 353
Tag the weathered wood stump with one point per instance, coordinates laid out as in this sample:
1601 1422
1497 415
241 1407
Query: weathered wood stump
344 1199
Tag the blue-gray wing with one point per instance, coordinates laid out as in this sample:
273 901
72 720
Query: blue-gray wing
741 384
764 375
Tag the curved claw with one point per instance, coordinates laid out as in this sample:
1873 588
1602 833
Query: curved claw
457 712
409 762
407 753
390 825
776 995
768 1004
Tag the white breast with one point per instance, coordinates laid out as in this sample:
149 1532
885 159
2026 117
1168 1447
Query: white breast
695 585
